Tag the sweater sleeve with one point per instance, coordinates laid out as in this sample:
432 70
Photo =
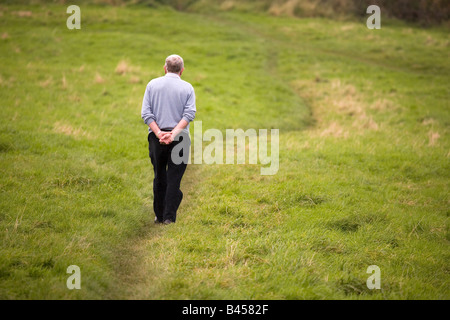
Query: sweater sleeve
147 110
190 109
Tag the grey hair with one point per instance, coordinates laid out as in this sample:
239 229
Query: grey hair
174 63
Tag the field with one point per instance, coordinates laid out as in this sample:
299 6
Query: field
363 176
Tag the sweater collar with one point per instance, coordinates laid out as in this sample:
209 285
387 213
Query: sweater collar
172 75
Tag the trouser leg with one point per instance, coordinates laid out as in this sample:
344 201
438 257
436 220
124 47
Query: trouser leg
159 157
173 193
175 171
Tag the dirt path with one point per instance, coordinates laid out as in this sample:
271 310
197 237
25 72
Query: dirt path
136 265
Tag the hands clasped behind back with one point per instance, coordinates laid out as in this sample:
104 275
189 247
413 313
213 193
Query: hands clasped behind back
165 137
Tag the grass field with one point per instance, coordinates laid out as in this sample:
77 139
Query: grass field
364 157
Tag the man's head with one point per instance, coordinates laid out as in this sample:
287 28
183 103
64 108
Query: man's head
174 64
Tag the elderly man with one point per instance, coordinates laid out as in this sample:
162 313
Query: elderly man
167 108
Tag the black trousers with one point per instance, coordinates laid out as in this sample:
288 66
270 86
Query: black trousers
167 195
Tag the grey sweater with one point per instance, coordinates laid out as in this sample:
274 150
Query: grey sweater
167 100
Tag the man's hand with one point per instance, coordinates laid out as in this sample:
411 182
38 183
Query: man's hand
165 137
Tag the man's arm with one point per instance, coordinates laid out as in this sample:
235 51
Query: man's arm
147 110
190 109
154 127
147 113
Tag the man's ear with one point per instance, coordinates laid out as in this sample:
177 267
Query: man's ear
181 71
165 69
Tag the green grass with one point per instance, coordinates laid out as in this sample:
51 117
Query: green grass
364 157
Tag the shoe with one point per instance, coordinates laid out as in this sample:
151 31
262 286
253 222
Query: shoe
157 221
168 221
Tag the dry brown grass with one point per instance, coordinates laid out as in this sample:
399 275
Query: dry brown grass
334 130
46 83
433 138
23 14
287 8
348 27
304 8
335 98
227 5
67 129
382 104
64 82
135 79
428 121
124 67
7 82
98 78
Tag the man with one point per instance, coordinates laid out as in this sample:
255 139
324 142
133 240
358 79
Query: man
167 108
